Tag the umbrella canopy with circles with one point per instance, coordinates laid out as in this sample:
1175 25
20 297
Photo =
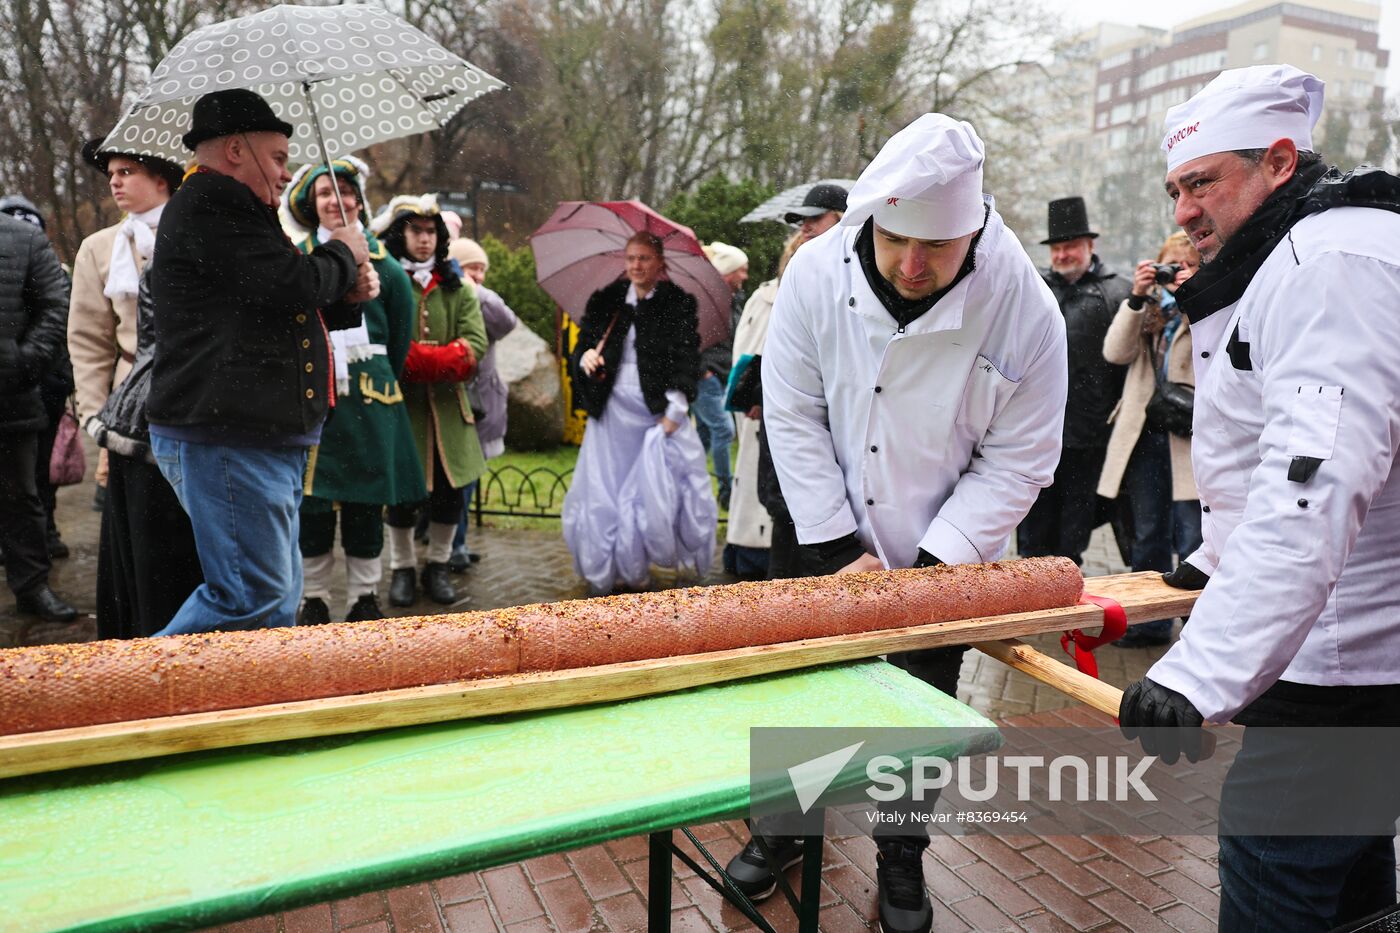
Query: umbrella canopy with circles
355 75
777 207
581 248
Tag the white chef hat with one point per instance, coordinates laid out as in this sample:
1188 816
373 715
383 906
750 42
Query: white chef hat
925 183
1244 108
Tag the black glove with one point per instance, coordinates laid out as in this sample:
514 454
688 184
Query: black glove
1166 722
927 560
827 557
1186 577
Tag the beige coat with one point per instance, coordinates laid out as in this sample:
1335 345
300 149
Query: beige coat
1125 344
101 333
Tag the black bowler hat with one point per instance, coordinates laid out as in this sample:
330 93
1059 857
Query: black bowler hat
97 157
819 200
1069 220
237 110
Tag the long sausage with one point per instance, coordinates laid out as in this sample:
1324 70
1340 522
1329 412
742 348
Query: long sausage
59 686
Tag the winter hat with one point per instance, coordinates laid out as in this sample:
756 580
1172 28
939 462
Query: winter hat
454 223
467 251
726 258
21 208
1244 108
299 199
925 183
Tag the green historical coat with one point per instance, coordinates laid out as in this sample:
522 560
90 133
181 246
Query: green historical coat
442 417
367 452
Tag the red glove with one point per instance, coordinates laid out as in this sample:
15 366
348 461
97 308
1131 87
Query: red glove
453 362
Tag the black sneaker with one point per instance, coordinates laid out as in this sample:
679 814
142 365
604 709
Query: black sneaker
899 873
314 611
366 609
750 870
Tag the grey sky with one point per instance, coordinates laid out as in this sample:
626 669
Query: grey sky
1156 13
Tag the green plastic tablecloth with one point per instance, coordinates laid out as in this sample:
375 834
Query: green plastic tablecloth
214 836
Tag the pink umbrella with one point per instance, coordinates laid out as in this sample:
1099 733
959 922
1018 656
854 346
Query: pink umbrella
580 249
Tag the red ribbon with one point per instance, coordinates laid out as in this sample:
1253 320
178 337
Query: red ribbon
1115 623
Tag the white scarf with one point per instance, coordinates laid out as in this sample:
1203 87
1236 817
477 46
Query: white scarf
422 272
123 278
350 345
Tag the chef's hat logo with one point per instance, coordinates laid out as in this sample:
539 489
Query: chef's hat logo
1183 133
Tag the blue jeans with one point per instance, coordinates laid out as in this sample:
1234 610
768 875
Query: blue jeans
1303 884
715 425
242 503
1161 526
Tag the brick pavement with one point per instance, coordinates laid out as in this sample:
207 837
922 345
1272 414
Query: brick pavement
978 882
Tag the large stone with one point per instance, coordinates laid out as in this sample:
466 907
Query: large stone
535 406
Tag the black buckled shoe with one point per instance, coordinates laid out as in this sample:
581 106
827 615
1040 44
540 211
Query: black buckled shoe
403 589
437 585
904 904
45 603
314 611
751 871
366 609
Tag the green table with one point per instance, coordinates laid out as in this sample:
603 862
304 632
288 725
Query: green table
216 836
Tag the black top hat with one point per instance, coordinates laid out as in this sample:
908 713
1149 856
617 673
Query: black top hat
97 157
236 110
819 200
1069 220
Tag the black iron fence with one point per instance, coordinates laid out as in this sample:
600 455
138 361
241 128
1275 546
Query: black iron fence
534 493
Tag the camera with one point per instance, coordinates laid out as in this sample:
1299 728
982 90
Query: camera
1165 272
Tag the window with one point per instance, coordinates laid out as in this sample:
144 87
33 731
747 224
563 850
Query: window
1101 120
1317 53
1261 51
1122 87
1104 91
1366 60
1342 57
1121 114
1152 77
1360 89
1118 138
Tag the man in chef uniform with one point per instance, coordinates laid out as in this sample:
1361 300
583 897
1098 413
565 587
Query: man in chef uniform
1297 420
914 385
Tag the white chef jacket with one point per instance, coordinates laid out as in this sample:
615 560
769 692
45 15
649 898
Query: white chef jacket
1304 575
938 435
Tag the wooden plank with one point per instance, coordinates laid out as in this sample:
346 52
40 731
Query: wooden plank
1143 596
1103 697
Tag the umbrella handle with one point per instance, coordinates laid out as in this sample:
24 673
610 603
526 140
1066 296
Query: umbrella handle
325 154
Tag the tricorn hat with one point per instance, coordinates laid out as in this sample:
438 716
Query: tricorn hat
1069 220
236 110
820 199
97 157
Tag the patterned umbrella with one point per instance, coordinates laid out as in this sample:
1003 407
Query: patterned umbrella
356 74
581 248
776 207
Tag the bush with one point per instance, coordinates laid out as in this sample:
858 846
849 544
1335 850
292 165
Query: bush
713 210
512 276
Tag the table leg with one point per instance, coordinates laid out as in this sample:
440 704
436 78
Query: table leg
809 909
659 883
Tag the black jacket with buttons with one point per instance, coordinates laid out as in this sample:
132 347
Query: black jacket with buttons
1095 385
239 342
668 344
